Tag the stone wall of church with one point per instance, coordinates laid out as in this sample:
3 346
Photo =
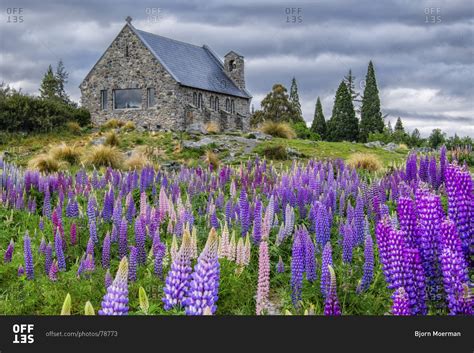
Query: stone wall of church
127 63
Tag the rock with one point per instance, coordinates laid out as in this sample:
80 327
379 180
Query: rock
292 153
374 144
424 149
260 135
196 128
391 147
171 166
206 141
99 141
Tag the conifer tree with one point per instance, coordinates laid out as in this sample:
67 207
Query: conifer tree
319 122
399 126
49 85
389 128
295 101
371 119
61 78
343 125
349 80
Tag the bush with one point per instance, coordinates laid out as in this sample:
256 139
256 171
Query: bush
112 139
104 156
136 161
212 128
21 112
364 161
45 163
283 130
277 152
303 132
129 126
69 154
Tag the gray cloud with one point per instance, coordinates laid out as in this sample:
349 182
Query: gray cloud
424 69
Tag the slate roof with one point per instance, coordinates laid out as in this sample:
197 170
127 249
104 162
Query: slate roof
191 65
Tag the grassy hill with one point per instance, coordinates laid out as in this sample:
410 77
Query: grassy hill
166 147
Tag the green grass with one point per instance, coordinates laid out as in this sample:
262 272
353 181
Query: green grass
334 150
21 148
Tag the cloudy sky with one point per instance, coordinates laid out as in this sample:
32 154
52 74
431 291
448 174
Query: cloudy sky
422 50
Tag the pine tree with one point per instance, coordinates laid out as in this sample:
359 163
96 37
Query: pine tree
319 122
295 101
399 126
49 85
371 119
276 106
343 125
61 77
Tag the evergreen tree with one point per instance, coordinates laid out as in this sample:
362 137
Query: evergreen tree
319 122
389 128
371 119
295 101
349 80
277 107
61 77
343 125
399 126
49 85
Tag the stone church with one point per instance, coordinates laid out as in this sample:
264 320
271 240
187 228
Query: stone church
162 83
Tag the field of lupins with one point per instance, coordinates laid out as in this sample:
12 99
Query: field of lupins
319 238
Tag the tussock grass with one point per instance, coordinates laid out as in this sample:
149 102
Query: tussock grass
365 161
212 128
277 152
104 156
283 130
112 139
136 161
129 126
73 127
211 159
113 124
45 163
70 154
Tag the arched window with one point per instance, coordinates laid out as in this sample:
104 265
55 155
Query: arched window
217 103
232 107
195 99
211 102
231 65
126 50
200 101
227 105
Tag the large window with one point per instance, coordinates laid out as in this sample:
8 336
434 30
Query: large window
150 97
128 98
103 99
